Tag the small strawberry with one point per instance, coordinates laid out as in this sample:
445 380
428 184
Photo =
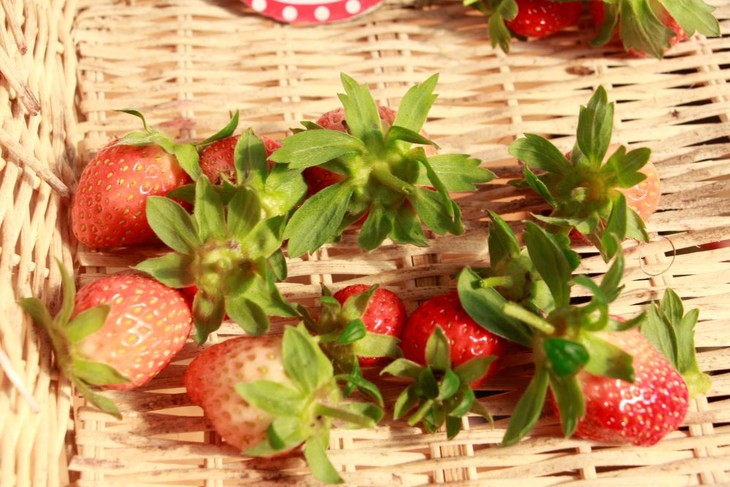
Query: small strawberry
640 412
117 332
108 206
650 27
268 395
387 175
541 18
590 192
467 339
217 159
385 315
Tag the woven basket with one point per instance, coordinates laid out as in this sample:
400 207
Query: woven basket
67 65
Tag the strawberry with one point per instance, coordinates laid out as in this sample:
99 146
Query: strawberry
541 18
385 315
590 192
640 412
108 207
387 175
217 159
650 27
467 339
117 332
267 395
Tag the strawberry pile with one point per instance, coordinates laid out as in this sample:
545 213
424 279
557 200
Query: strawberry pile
642 27
227 213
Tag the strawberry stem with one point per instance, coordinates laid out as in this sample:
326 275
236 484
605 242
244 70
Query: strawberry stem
496 281
344 415
387 178
514 310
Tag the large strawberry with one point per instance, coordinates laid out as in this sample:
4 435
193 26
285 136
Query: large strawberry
387 175
117 332
526 18
589 192
580 352
108 208
650 27
265 396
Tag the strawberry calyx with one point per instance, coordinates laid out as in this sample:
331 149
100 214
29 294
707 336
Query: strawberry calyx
305 412
382 172
439 395
66 334
230 250
583 191
645 25
672 332
185 153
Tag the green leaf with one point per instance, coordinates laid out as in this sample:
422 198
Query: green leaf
403 368
528 409
565 357
458 172
172 224
317 221
97 373
226 131
209 213
416 104
595 125
502 240
97 400
171 269
187 157
315 147
569 398
440 217
550 262
361 111
485 305
87 322
694 16
376 228
208 315
273 397
304 362
315 452
247 314
249 159
438 350
539 153
244 212
606 359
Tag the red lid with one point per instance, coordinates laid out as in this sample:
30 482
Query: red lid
311 11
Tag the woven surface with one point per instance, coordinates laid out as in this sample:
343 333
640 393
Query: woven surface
187 63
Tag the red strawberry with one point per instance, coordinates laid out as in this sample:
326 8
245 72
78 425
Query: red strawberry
108 208
216 160
467 339
642 412
267 395
541 18
385 315
117 332
210 381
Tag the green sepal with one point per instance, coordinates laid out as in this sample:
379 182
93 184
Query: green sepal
97 400
209 212
208 313
352 332
407 227
273 397
315 452
402 368
86 323
304 362
284 189
438 353
376 228
249 160
247 314
68 300
607 359
317 221
355 380
570 401
565 357
416 104
172 224
377 345
244 212
265 238
397 133
694 16
226 131
550 261
96 373
440 216
361 111
539 153
39 313
474 369
528 409
171 269
458 172
315 147
595 125
187 157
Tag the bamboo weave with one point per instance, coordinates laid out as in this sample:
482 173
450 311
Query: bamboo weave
67 65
